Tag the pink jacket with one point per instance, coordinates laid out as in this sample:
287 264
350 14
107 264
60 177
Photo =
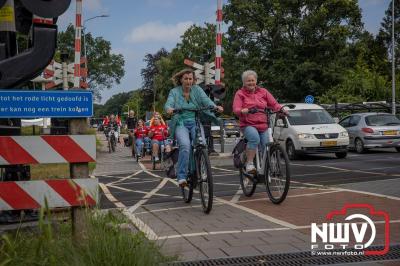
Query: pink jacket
260 99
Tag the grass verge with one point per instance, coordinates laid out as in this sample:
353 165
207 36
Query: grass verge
104 244
51 171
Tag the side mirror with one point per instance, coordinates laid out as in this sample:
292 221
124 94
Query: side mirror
279 123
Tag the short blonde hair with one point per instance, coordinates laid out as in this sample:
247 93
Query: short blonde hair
176 78
247 73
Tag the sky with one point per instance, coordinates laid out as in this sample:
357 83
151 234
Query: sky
138 27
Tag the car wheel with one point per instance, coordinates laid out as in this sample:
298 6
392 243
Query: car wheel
397 149
291 150
359 145
341 155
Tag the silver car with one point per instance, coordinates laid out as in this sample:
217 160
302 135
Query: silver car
372 130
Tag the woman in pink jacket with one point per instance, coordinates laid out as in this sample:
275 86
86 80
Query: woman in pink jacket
254 126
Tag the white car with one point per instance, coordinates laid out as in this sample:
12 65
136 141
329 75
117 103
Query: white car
309 129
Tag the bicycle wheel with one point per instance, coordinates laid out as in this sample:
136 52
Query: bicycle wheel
205 179
248 184
187 192
277 174
113 144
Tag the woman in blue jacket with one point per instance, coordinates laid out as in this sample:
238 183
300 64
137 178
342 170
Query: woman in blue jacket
186 95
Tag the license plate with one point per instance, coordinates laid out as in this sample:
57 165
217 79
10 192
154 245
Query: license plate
328 143
230 127
390 132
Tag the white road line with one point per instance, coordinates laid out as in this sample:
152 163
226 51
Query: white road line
251 211
148 196
294 196
150 234
237 195
137 182
224 184
127 177
226 174
175 208
249 231
110 196
227 170
367 193
137 191
114 172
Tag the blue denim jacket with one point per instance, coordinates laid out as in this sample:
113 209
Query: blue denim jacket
199 98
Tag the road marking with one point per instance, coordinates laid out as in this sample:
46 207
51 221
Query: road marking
251 211
347 170
125 178
225 174
227 170
367 193
114 172
224 184
150 234
148 195
294 196
249 231
110 196
137 191
237 195
176 208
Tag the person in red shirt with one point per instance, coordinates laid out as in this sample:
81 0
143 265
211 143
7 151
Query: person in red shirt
140 133
158 134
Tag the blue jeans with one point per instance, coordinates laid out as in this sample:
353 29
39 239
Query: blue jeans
254 138
184 141
139 145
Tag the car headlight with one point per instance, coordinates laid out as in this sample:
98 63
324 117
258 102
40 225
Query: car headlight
305 136
343 134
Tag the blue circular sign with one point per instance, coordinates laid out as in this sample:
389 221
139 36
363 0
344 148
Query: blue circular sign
309 99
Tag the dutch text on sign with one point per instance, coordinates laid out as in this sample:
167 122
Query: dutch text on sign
30 104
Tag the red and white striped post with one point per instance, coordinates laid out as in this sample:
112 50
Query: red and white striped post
78 34
218 58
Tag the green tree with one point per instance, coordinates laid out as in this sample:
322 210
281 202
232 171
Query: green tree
104 67
115 104
297 47
136 103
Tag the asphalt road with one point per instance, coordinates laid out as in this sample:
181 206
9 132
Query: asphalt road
241 226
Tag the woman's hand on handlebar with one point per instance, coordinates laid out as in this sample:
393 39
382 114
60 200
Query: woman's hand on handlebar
219 109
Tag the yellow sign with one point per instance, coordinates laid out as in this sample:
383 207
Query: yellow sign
328 143
390 132
6 14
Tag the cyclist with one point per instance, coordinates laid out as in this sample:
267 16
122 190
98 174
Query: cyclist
112 123
140 133
186 95
130 125
158 133
253 125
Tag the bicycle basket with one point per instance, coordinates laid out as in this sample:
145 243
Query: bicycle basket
237 151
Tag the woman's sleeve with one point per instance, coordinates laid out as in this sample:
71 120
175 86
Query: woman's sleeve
237 104
170 100
204 99
271 101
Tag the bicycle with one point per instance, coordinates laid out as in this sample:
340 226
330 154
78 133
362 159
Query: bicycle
112 142
199 172
272 167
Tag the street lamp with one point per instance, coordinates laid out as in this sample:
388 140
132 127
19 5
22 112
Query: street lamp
84 35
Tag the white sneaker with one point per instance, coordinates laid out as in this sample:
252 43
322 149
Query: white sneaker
250 169
182 182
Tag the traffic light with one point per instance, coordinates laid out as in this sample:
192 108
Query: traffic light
16 69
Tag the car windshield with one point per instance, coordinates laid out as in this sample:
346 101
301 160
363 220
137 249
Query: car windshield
382 120
309 117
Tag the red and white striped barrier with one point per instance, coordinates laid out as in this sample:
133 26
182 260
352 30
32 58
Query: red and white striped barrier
47 149
218 58
57 193
78 33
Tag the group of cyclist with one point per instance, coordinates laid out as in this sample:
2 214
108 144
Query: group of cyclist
187 95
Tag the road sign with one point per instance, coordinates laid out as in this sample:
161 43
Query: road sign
32 104
309 99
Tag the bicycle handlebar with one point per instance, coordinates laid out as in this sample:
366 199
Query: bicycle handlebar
268 110
210 108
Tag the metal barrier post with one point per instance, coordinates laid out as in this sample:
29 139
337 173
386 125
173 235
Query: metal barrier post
221 136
